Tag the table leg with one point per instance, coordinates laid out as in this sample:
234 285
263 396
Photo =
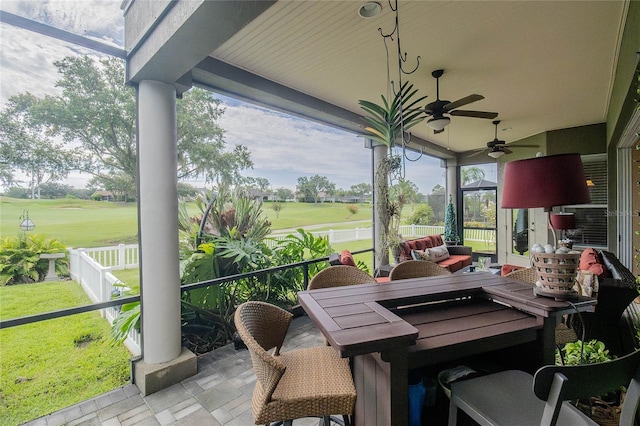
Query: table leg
382 389
399 387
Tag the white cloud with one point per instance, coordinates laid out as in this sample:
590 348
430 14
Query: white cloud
282 147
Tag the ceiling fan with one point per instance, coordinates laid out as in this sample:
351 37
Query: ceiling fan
438 108
497 148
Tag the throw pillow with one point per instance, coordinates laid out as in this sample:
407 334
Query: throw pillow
436 254
590 261
420 255
346 258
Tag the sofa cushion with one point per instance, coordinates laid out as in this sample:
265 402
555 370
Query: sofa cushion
421 244
346 258
453 263
437 240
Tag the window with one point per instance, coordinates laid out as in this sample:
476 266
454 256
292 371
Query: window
591 219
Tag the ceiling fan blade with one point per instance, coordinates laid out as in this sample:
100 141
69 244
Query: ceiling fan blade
507 150
476 114
481 151
525 146
464 101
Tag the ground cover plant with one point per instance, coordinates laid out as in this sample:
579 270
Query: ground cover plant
52 364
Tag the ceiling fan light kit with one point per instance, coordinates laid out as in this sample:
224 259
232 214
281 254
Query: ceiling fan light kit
496 153
438 123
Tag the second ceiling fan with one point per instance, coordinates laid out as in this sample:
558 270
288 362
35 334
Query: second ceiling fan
497 148
437 109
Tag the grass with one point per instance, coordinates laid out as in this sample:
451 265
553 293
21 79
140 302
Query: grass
75 223
82 223
56 363
53 364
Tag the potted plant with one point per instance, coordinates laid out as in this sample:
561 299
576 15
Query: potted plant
386 124
603 409
450 235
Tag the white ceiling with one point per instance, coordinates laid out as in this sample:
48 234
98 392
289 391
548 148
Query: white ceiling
542 65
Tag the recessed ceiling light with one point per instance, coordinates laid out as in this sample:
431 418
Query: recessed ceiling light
369 9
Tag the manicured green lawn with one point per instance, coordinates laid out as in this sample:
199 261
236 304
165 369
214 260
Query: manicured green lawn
75 223
82 223
53 364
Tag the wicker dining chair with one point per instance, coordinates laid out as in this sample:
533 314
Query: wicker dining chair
339 275
417 269
311 382
564 333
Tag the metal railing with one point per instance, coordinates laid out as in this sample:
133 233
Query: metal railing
29 319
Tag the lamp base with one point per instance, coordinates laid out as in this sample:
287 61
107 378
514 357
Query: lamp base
568 295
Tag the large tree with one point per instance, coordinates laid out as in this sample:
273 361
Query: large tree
97 112
310 188
361 189
283 194
25 147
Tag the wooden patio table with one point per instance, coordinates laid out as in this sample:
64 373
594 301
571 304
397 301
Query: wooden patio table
388 329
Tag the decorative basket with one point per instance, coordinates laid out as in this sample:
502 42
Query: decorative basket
556 272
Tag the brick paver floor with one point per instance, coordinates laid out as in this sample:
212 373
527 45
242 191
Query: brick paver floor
220 394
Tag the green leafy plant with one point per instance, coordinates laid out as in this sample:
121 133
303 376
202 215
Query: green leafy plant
20 258
386 121
385 124
594 351
129 316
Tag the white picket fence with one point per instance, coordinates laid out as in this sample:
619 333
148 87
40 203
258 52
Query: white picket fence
99 283
91 267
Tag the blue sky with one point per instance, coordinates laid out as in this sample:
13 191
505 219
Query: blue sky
283 147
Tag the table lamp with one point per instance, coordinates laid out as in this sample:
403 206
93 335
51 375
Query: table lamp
562 222
546 182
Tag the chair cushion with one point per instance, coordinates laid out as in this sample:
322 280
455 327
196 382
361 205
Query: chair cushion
346 258
507 269
507 398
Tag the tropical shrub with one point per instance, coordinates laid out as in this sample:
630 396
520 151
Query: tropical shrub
129 316
20 258
422 215
229 241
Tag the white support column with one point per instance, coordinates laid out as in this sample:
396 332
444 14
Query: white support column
452 180
158 219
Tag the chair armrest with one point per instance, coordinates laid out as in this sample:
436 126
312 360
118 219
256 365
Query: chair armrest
460 250
620 275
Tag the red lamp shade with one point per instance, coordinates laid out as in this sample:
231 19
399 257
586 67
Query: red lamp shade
562 221
545 182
